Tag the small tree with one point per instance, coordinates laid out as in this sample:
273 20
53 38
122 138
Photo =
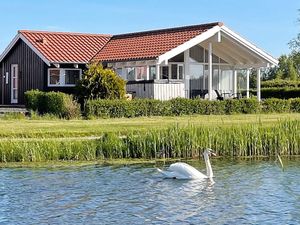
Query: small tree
98 82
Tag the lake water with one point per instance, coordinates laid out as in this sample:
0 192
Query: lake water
244 192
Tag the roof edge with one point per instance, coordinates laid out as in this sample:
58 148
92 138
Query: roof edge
63 33
213 24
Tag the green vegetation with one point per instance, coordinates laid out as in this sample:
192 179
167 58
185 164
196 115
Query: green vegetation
177 107
98 82
55 103
148 138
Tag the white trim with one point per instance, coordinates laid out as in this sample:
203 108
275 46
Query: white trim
9 47
62 77
249 45
187 45
14 41
210 33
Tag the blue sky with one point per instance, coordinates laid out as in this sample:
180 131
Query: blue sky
270 24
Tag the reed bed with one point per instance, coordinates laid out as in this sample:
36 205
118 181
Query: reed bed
174 142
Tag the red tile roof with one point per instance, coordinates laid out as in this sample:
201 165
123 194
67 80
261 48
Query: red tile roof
66 47
149 44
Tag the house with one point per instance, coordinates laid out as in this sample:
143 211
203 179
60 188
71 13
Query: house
199 60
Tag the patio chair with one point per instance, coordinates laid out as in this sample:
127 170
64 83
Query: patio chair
219 96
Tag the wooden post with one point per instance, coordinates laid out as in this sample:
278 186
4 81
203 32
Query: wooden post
258 85
210 71
248 83
234 83
157 72
187 73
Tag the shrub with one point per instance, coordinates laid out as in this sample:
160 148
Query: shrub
32 99
283 93
275 105
295 105
98 82
280 83
55 103
174 107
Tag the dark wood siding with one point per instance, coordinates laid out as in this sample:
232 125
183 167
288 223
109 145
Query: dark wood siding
31 71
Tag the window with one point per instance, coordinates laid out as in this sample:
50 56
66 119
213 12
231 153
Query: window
130 73
54 77
165 72
152 72
63 77
72 76
141 73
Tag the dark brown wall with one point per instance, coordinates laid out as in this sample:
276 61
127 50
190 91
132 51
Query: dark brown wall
31 71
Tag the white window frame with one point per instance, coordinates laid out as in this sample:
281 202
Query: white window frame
62 77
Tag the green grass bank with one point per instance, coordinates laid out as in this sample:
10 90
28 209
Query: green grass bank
149 138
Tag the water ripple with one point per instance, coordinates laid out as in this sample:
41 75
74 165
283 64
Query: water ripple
244 192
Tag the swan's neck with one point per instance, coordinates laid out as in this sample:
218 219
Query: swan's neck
209 171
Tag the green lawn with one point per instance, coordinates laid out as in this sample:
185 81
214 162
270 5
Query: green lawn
86 128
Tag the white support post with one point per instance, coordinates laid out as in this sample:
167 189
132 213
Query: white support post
210 71
248 83
157 72
258 85
234 83
187 73
147 72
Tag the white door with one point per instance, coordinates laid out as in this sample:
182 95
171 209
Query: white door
14 83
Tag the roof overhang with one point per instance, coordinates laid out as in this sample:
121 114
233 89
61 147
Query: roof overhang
228 45
15 40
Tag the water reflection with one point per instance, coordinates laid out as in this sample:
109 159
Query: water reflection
246 192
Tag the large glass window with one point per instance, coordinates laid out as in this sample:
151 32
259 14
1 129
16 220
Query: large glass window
72 76
152 72
63 77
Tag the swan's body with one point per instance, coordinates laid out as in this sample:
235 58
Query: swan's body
184 171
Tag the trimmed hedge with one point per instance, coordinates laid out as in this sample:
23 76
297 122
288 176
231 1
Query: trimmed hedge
54 103
279 83
180 106
283 93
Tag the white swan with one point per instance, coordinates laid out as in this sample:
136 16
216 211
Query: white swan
184 171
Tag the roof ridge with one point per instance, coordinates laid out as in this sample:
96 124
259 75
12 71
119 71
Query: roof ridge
63 33
170 29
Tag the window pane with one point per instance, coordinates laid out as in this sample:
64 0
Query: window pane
130 73
152 72
180 70
72 76
174 71
54 77
196 53
165 72
141 73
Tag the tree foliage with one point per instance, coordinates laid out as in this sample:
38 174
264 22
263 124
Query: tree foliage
100 83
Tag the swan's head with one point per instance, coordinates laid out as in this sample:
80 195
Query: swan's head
209 152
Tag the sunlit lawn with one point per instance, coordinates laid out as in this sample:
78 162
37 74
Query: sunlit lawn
85 128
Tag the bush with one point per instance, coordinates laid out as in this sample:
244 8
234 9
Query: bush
32 99
279 83
55 103
174 107
283 93
98 82
272 105
295 105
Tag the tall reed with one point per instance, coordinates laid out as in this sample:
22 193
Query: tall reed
175 142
